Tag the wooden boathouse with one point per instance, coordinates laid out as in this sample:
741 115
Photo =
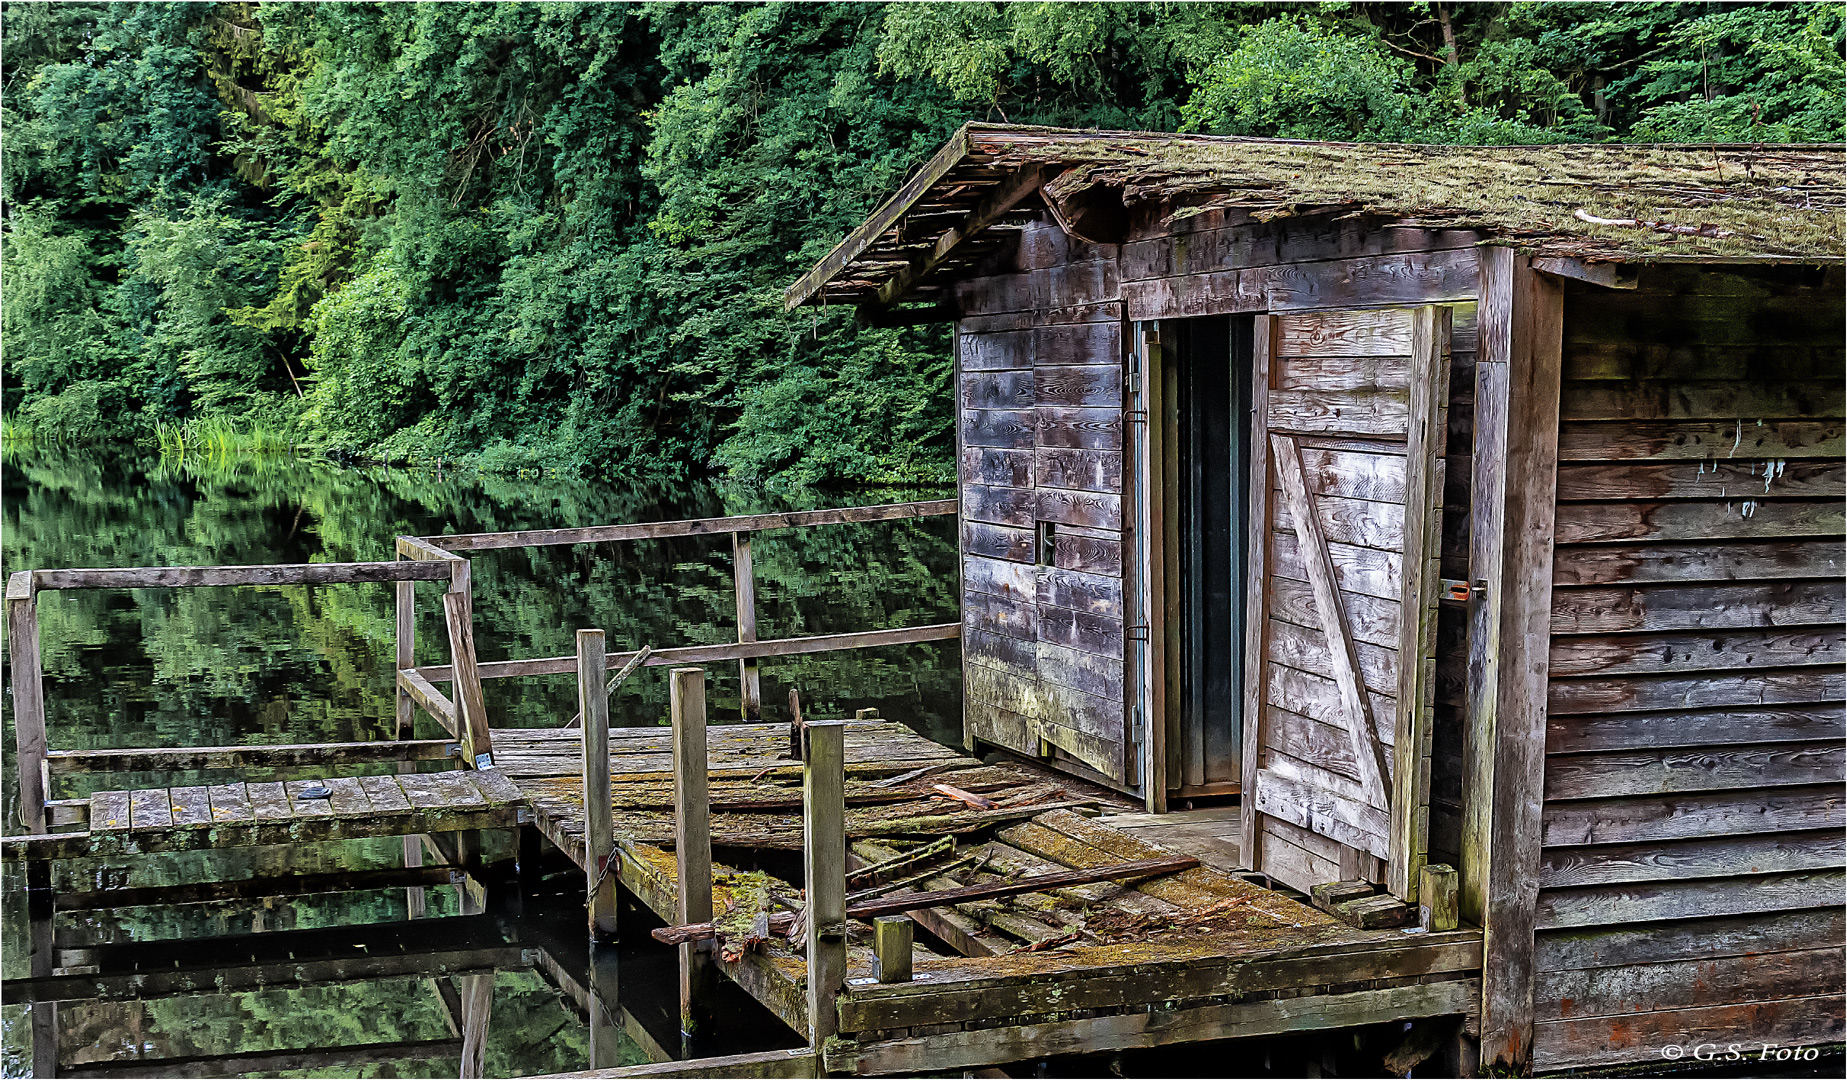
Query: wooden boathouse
1465 506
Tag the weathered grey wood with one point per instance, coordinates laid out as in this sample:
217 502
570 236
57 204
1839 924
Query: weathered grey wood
417 685
999 199
1739 935
382 792
1660 901
1736 440
257 1062
768 1063
1680 691
293 755
1516 489
891 937
1418 555
824 875
458 616
1693 815
1000 506
995 542
1701 857
110 812
404 611
1087 386
1122 1031
155 577
1320 808
1411 278
28 689
1743 519
1699 607
1718 650
692 830
149 810
743 577
1666 771
599 821
1437 898
1606 564
599 534
1664 730
1355 707
997 466
1702 480
1089 509
1260 600
1697 399
1685 984
1088 429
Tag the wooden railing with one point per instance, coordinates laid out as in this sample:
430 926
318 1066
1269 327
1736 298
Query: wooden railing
416 685
37 765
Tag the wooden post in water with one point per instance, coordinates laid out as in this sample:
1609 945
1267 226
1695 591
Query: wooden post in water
28 698
692 843
750 689
415 901
599 817
824 858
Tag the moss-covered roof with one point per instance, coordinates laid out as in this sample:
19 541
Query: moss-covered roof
1613 202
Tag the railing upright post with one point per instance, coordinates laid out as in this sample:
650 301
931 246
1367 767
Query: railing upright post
824 851
28 698
744 578
406 652
692 841
599 816
471 709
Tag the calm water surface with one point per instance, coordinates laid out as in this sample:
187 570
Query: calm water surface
193 667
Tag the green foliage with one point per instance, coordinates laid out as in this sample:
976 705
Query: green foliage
557 235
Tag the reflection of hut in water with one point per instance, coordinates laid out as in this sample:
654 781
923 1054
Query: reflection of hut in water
1467 505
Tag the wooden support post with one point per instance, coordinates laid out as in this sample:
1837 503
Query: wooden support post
750 689
39 912
1514 497
605 1008
1436 892
1264 338
824 859
28 698
599 817
471 709
477 1008
692 839
407 652
891 942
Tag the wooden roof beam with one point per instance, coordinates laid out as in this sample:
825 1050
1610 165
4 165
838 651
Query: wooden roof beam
1610 275
1001 199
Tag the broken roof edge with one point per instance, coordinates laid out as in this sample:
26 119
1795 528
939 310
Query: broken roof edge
1748 218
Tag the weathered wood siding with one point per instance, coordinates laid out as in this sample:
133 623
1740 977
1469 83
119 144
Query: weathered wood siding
1041 438
1691 859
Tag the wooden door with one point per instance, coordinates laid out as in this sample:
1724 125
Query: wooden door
1348 432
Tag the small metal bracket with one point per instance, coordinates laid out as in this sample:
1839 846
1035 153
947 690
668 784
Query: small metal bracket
1138 632
484 761
454 749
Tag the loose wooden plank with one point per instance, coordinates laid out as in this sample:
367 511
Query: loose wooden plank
1748 519
1667 771
1655 901
1719 727
1702 480
1608 564
1719 650
1128 871
1703 607
1693 815
1701 857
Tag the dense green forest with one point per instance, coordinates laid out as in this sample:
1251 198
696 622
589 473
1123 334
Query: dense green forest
557 234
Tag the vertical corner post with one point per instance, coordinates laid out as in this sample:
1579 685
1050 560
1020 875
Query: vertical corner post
28 697
599 817
824 851
459 615
750 689
1515 496
1257 586
406 610
692 841
1147 704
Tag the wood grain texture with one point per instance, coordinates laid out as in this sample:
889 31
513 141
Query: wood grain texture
1699 857
1660 901
1746 519
1669 607
1666 771
1693 815
1691 728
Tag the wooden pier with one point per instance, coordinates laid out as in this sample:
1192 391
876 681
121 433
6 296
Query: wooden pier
1050 917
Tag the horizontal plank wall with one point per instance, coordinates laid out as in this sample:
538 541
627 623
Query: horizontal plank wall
1039 398
1691 858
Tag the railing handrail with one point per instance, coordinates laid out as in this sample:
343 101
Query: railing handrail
654 530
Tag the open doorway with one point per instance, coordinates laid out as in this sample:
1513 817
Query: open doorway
1206 477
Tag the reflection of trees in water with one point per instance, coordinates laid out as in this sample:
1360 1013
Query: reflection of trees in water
214 666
